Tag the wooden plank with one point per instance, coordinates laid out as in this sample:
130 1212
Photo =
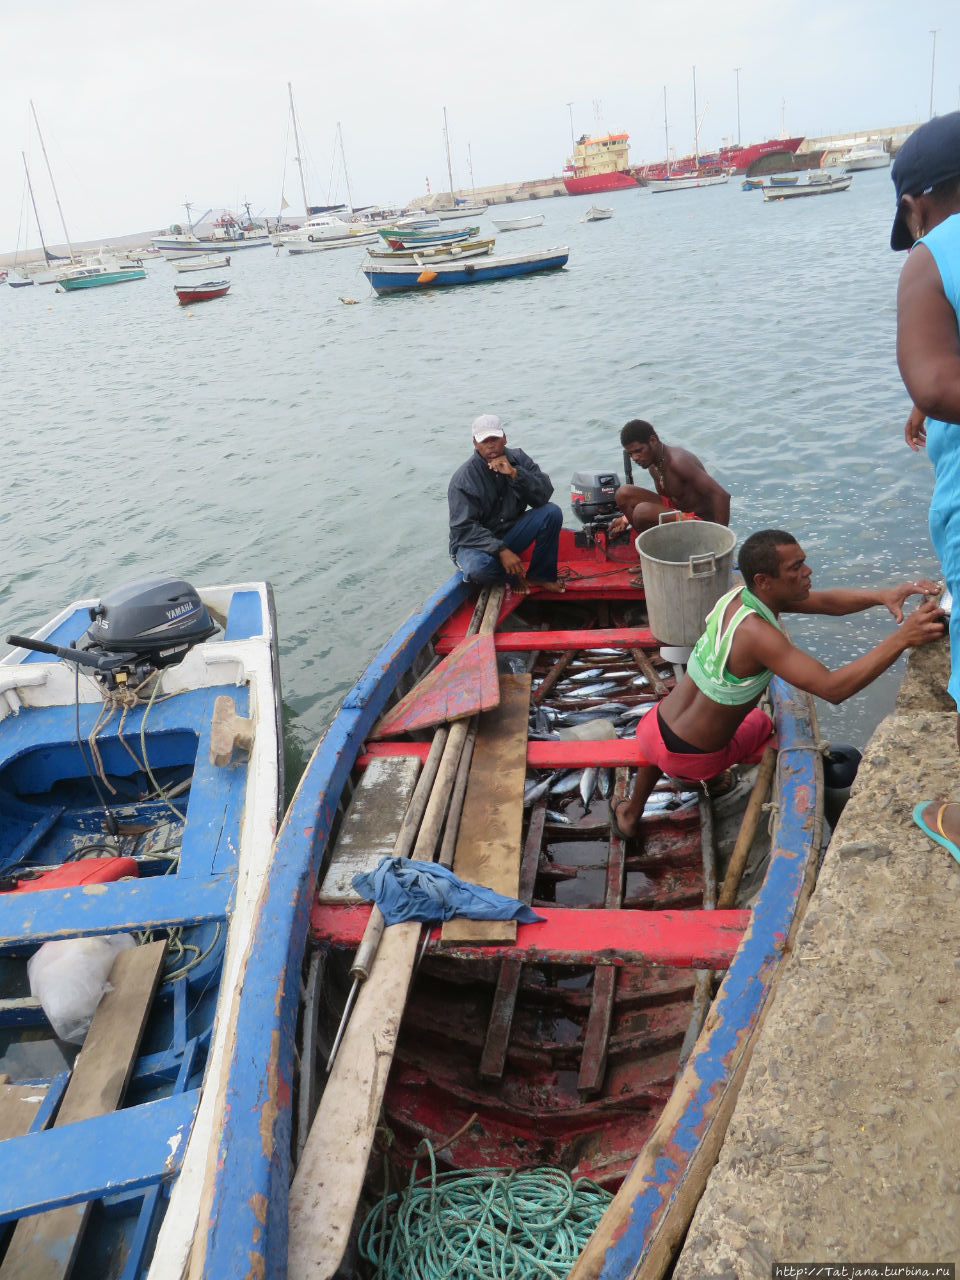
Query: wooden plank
606 754
43 1246
117 907
596 1040
137 1148
674 939
370 829
19 1103
554 641
488 845
494 1056
465 682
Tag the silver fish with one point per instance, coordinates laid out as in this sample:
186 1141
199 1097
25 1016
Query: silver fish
569 782
605 783
610 709
588 783
640 682
593 690
590 674
534 790
553 815
635 713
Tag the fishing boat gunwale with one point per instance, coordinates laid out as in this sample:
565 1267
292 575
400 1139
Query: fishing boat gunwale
251 1170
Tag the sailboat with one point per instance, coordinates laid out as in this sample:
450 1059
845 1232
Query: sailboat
698 176
458 207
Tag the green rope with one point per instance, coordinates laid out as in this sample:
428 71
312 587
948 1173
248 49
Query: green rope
491 1224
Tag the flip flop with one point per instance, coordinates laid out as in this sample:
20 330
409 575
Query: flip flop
615 827
937 835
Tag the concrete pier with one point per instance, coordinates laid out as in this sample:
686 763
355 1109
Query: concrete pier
845 1143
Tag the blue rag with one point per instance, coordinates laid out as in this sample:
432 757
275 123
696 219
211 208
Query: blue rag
405 889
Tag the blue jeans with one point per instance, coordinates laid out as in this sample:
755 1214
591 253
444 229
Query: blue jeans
539 525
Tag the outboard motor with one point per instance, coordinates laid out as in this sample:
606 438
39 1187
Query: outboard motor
135 630
593 501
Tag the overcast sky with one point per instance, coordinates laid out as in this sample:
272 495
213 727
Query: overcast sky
144 107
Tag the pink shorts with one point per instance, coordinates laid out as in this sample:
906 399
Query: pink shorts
753 735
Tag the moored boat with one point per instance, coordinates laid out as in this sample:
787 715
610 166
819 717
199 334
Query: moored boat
227 231
412 238
201 262
820 187
519 224
427 253
401 277
686 182
160 764
201 292
92 275
553 1043
599 164
866 155
596 213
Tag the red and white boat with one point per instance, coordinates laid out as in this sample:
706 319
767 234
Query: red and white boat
599 164
187 293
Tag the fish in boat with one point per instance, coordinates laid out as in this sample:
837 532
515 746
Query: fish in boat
578 1042
141 788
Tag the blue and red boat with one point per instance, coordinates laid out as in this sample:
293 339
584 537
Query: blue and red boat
594 1040
402 277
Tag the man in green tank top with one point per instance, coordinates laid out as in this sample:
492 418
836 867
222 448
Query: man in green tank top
710 719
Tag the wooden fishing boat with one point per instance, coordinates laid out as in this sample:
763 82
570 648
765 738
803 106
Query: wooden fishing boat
401 277
442 252
821 187
160 765
402 238
579 1041
519 224
202 292
597 213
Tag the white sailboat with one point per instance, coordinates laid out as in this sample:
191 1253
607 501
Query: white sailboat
685 181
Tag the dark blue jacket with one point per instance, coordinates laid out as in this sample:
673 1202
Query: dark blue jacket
484 505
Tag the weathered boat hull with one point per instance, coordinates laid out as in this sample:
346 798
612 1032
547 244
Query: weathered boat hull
387 278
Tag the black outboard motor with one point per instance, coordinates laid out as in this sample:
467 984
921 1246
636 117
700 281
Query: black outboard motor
593 500
135 630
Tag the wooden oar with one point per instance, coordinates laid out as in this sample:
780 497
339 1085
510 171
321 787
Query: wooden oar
329 1178
748 829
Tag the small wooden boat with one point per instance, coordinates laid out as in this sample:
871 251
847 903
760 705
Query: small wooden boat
401 277
156 760
821 187
203 292
579 1041
202 262
751 184
399 238
783 179
597 214
441 252
519 224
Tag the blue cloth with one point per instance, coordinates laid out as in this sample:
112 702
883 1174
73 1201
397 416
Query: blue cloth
406 889
943 448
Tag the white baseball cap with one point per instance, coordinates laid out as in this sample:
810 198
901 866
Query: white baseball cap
488 427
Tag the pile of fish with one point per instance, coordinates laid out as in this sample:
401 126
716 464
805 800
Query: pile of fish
601 689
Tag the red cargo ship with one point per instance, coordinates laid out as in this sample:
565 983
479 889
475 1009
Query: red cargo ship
730 159
599 164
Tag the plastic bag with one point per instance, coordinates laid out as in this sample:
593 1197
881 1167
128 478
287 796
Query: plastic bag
69 977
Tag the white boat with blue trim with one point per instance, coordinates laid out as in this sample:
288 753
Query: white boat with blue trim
401 277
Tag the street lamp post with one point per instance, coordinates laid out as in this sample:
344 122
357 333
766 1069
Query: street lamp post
933 63
738 70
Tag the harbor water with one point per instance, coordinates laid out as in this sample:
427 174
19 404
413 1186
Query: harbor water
282 433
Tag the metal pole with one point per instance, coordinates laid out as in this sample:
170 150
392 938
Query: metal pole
446 139
738 70
696 124
63 223
572 143
296 143
933 63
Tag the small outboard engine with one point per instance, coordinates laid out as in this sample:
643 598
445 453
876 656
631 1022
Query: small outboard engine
145 626
593 500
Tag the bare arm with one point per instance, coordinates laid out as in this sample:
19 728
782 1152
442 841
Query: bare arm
839 601
774 651
710 495
928 342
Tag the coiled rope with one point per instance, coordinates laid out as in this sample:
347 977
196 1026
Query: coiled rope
491 1224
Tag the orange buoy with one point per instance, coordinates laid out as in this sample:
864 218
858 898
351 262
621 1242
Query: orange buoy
426 277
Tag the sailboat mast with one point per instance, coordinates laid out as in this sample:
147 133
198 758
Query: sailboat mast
296 143
666 133
343 161
43 148
43 243
446 139
696 124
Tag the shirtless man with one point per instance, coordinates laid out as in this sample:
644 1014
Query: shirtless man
710 719
681 483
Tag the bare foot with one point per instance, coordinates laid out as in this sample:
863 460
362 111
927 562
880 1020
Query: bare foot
520 586
557 587
949 824
621 826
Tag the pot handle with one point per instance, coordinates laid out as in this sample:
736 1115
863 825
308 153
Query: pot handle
703 566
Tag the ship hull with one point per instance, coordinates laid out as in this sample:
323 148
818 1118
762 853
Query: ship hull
597 182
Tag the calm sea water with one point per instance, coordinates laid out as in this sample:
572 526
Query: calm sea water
279 433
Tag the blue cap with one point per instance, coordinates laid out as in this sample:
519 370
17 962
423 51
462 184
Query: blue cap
929 156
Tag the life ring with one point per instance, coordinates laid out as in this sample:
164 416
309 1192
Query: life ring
312 238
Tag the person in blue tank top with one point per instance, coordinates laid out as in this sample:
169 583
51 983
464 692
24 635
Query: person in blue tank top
710 719
926 177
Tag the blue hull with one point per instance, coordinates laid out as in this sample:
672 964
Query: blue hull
437 275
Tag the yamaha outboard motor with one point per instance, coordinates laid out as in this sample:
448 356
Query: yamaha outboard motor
593 499
135 630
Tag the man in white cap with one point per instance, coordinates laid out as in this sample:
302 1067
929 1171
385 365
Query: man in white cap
499 506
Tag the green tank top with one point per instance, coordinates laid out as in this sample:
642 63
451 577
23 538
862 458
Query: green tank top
707 667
